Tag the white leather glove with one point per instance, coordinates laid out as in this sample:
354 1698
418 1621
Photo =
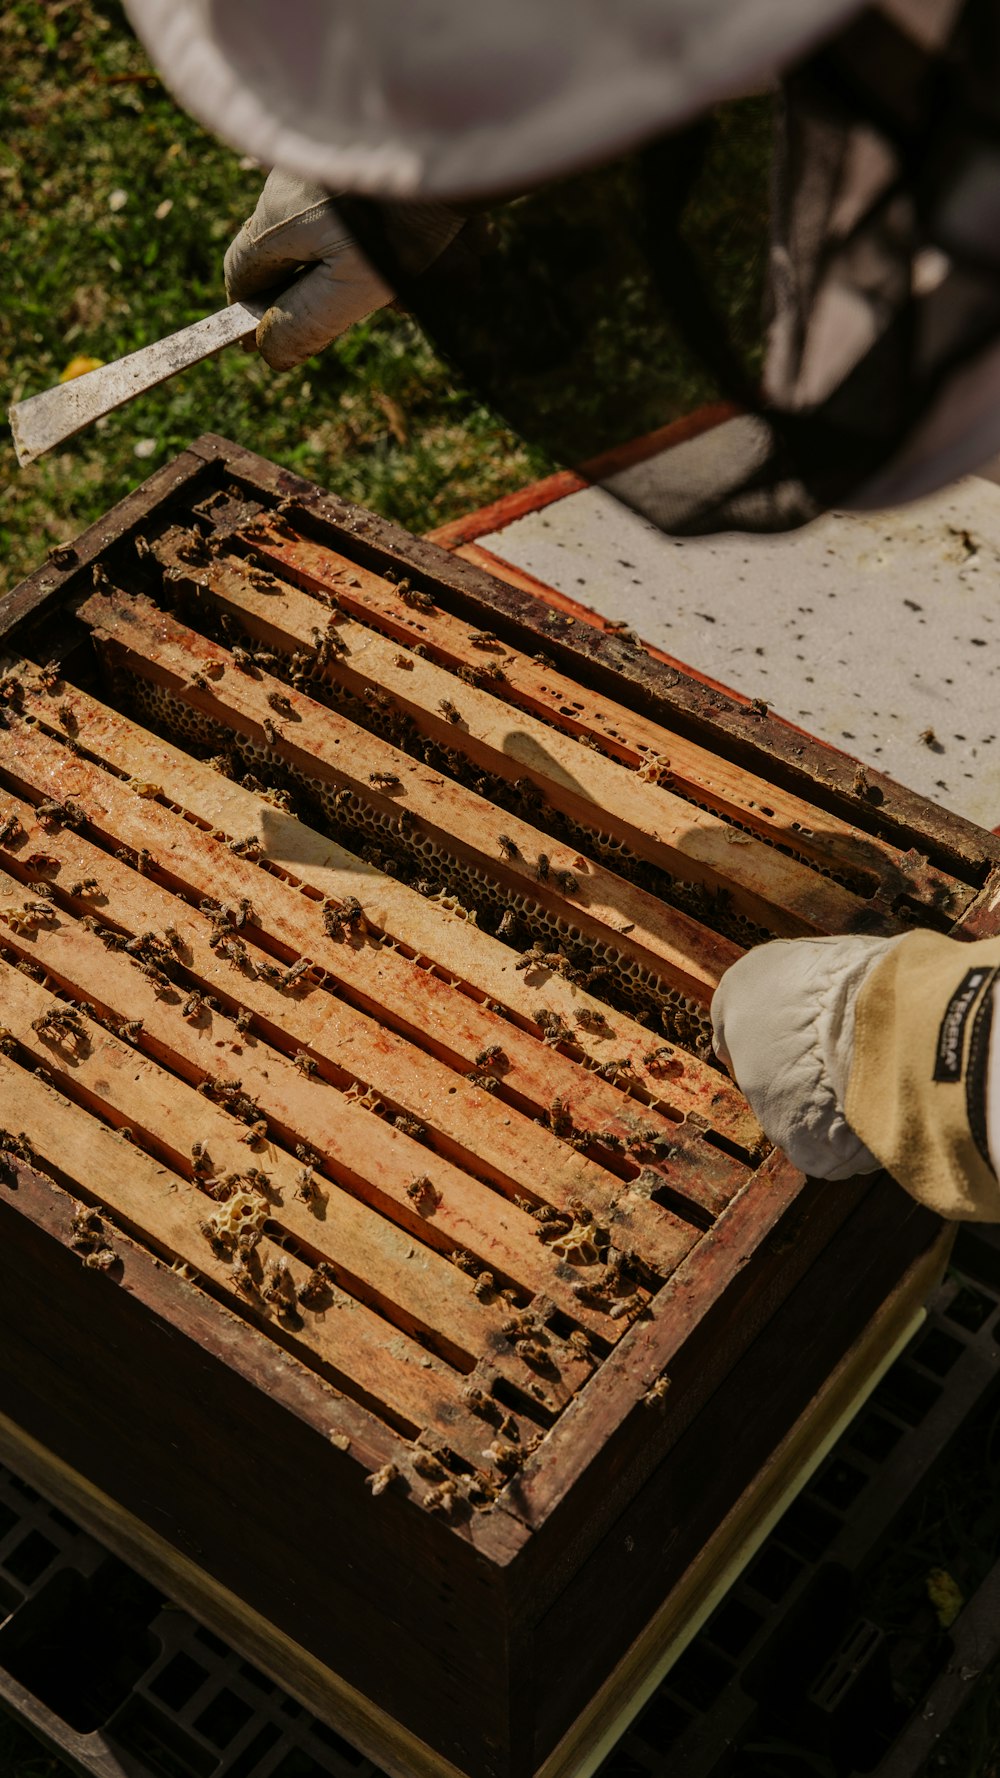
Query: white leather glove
783 1018
295 242
294 225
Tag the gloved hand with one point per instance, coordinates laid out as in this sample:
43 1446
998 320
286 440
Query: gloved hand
296 225
783 1018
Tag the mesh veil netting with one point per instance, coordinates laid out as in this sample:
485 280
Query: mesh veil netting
826 260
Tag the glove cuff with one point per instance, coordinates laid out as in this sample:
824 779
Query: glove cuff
917 1093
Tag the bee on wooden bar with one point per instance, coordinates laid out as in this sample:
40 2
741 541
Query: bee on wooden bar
67 718
448 709
279 702
429 1466
348 917
315 1292
506 1458
101 1259
486 1082
656 1394
10 829
440 1499
62 1022
464 1261
611 1070
626 1305
130 1029
88 886
243 659
279 1290
8 1042
244 1019
408 1126
553 1029
145 788
11 690
199 681
308 1189
484 1286
414 597
404 661
250 847
424 1193
304 1063
268 972
264 582
193 1007
493 1057
258 1130
380 1479
201 1164
49 677
271 735
566 880
589 1019
58 814
484 639
508 847
24 919
384 780
292 976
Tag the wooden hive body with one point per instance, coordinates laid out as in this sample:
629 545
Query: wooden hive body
386 1261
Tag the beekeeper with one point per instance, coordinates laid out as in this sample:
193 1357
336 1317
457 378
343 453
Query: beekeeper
854 1052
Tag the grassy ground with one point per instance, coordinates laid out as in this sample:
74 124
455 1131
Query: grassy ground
115 211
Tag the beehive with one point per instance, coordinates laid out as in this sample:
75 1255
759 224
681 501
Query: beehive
388 1261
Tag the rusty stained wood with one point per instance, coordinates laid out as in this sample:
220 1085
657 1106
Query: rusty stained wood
327 750
604 800
364 1153
475 1128
353 1343
369 1256
871 867
389 987
778 752
673 1080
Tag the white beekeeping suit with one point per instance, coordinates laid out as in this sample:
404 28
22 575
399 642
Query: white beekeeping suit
854 1052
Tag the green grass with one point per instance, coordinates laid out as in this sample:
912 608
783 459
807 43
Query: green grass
377 417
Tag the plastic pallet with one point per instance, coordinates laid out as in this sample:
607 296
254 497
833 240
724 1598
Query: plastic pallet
125 1685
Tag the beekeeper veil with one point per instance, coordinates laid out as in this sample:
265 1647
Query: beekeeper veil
781 215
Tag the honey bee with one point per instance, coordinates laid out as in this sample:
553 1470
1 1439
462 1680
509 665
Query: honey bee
64 1023
250 847
567 881
279 702
384 780
193 1007
542 867
243 659
656 1394
484 639
414 597
348 917
589 1019
307 1188
424 1193
315 1292
244 1019
278 1289
88 886
380 1479
404 661
441 1498
10 829
760 706
57 814
492 1057
508 924
271 734
484 1286
145 788
295 971
304 1063
408 1126
508 847
447 709
50 675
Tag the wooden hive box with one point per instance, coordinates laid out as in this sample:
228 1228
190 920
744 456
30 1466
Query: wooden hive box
388 1269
